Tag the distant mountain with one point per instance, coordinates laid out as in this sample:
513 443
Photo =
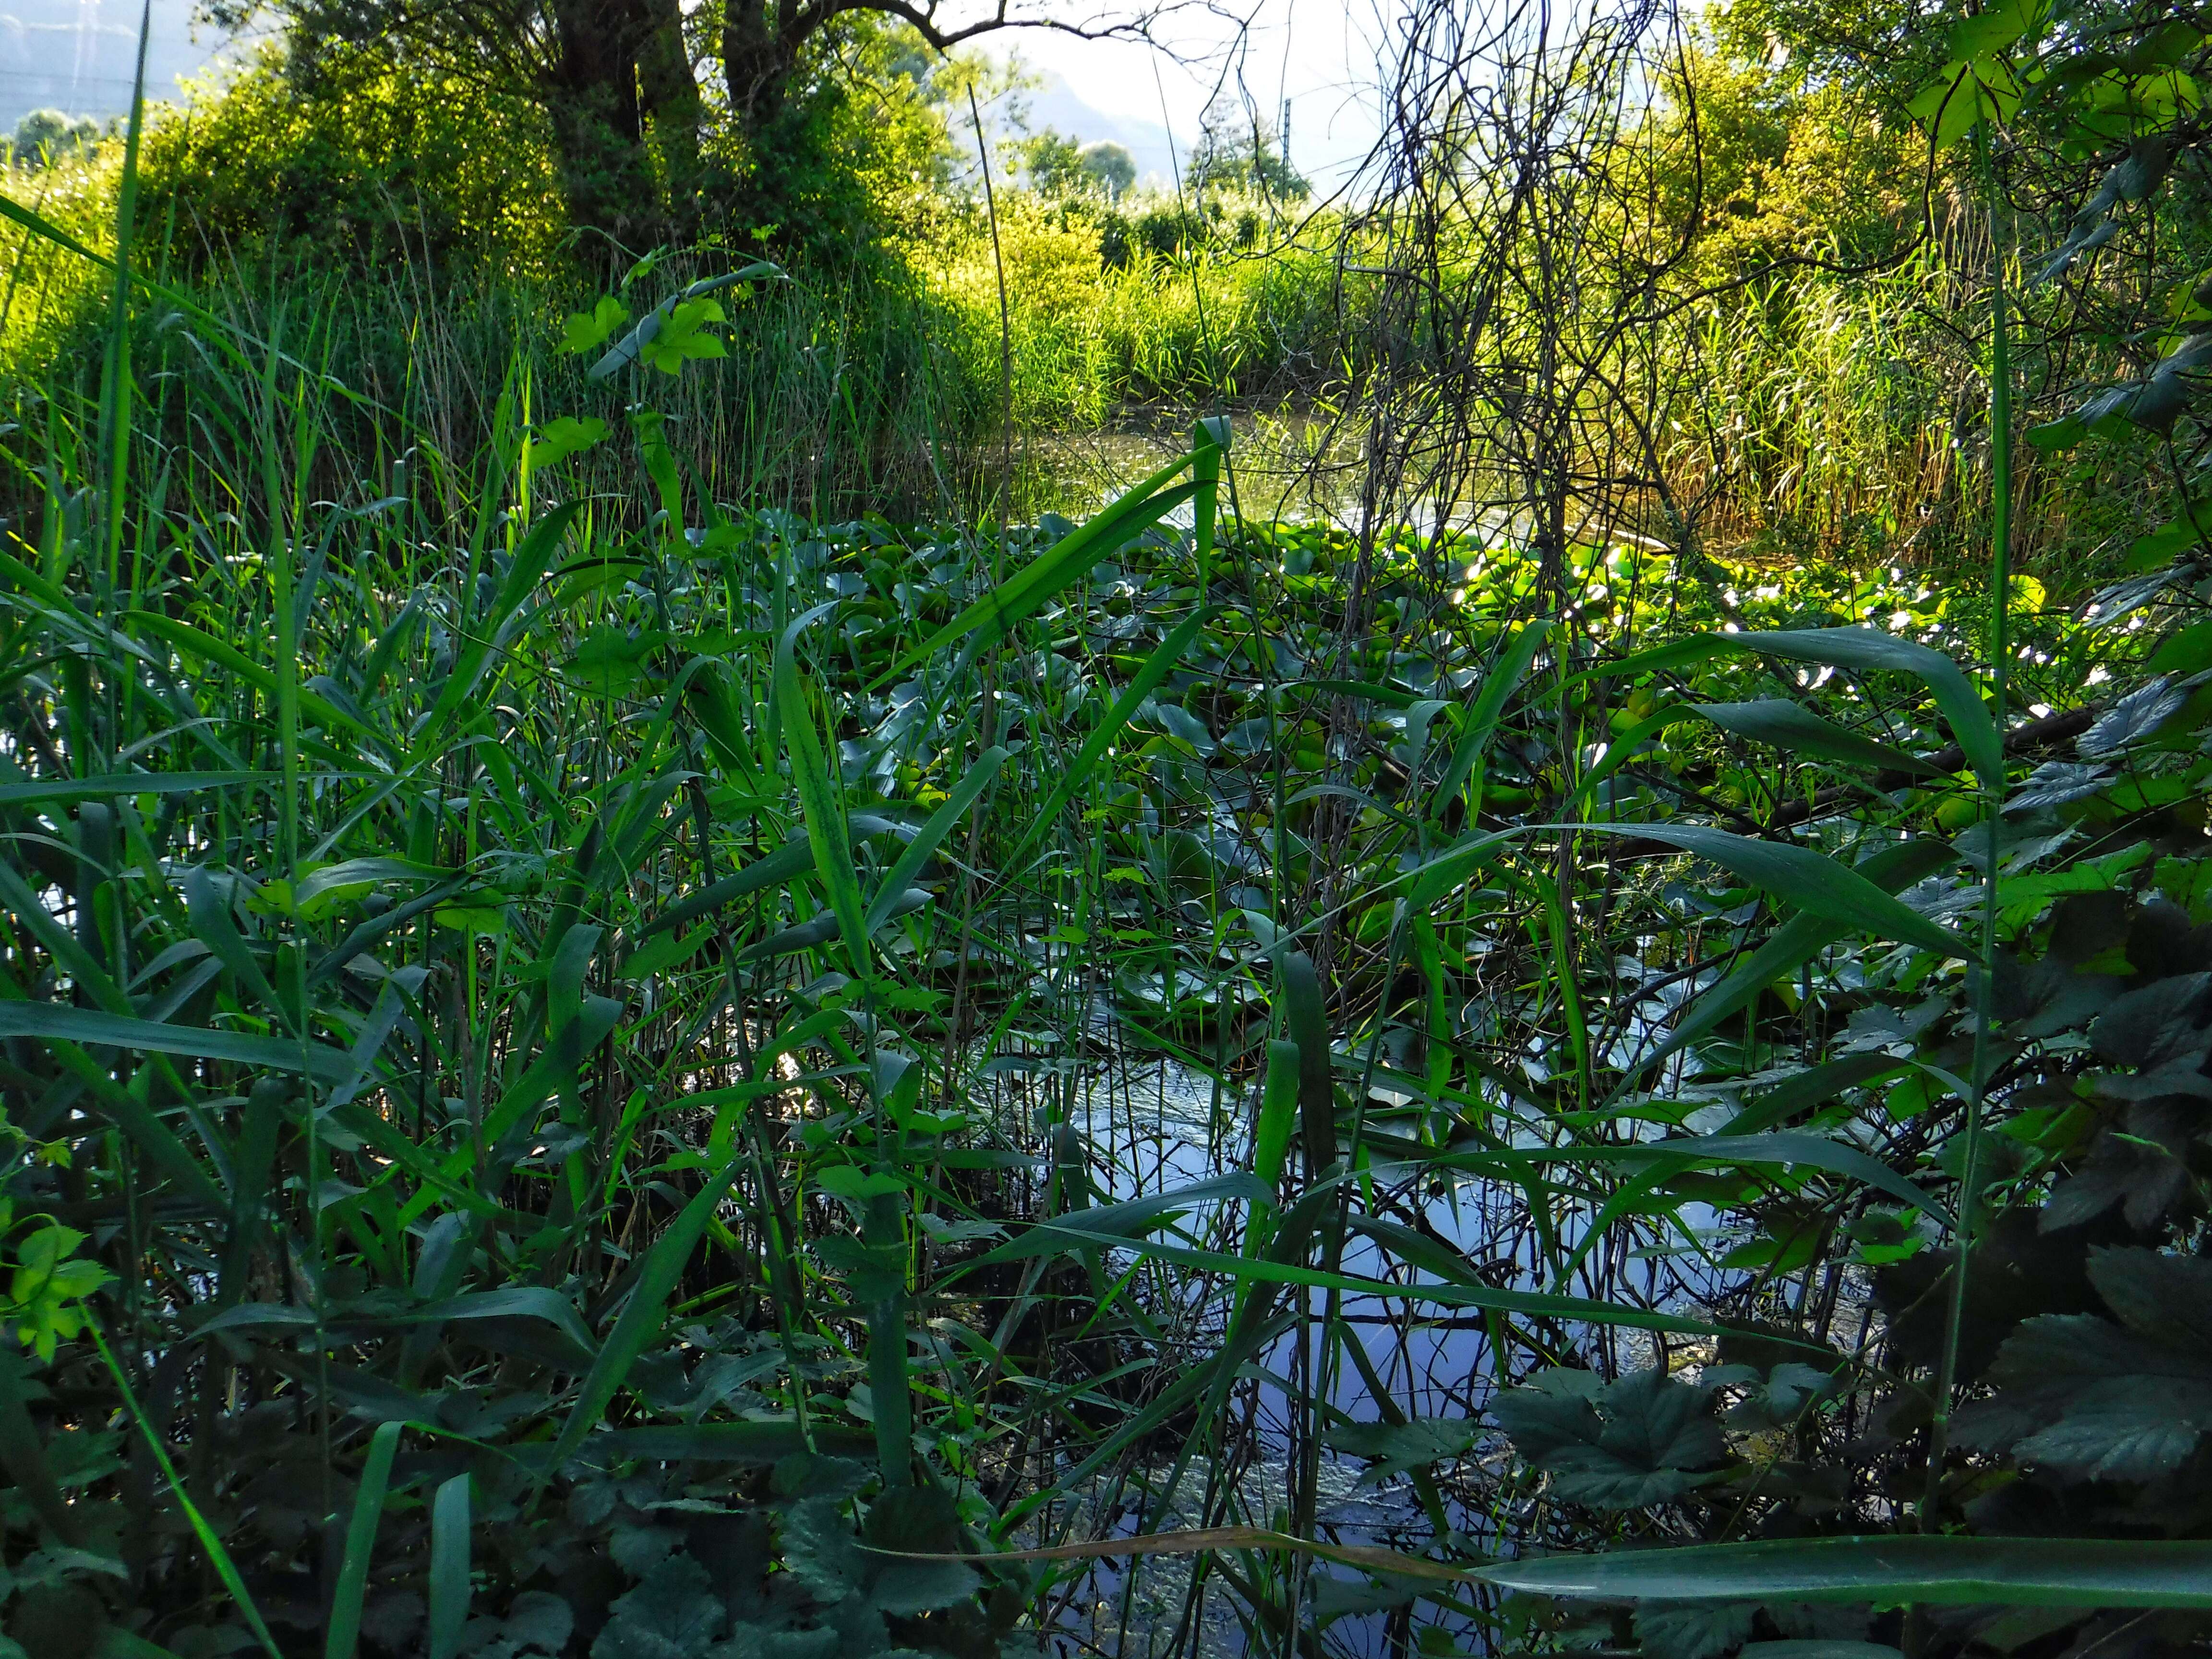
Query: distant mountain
1057 105
79 55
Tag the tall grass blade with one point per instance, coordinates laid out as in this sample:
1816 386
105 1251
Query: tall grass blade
211 1542
449 1567
343 1638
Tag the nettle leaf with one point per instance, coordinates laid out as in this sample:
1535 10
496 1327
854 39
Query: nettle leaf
2167 1299
639 1549
1694 1630
2100 1401
673 1614
1789 1391
1639 1442
820 1550
1402 1446
752 1641
2123 1428
2162 1022
538 1622
918 1519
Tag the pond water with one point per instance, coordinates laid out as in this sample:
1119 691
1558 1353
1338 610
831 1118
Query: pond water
1154 1126
1293 467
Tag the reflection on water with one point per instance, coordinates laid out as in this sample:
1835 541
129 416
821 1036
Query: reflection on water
1153 1125
1290 466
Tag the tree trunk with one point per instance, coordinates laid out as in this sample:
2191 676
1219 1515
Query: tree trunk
623 67
756 61
598 125
670 94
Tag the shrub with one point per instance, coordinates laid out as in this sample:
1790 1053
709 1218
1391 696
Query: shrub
350 159
46 135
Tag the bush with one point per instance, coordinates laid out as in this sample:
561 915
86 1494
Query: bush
350 159
46 135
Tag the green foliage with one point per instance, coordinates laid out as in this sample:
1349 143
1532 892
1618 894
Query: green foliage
350 162
558 1008
46 137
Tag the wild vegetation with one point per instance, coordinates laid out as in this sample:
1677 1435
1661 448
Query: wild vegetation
651 1007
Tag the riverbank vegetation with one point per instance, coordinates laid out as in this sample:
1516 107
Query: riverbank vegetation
655 1002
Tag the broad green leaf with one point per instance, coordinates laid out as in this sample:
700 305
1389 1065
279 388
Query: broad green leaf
826 830
1799 877
1791 726
1944 1570
1634 1444
584 330
344 1634
632 348
641 1319
565 437
1146 680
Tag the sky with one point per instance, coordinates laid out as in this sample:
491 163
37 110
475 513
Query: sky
1320 54
79 55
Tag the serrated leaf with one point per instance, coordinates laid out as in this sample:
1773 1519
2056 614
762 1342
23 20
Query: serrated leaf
1639 1443
820 1550
673 1614
1694 1630
915 1520
1398 1447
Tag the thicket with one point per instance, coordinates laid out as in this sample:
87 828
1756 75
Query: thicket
574 1015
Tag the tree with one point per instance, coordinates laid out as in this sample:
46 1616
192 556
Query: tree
47 135
1057 165
1053 163
1110 167
626 84
1238 151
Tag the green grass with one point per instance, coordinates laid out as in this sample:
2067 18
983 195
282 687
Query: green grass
573 1005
